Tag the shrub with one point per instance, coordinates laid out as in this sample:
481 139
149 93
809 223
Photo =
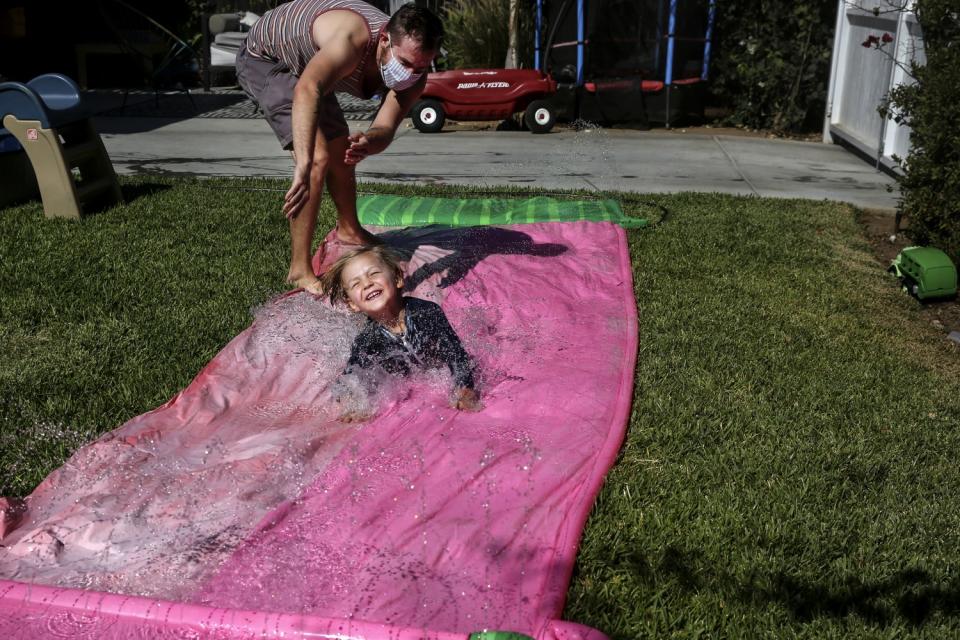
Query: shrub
930 188
477 34
773 62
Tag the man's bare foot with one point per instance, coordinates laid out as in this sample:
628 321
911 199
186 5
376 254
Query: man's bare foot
359 236
309 283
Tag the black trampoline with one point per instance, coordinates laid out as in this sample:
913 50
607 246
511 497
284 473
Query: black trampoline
626 60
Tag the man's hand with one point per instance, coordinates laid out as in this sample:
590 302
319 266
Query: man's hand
299 191
467 399
359 148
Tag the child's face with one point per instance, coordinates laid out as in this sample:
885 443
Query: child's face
370 285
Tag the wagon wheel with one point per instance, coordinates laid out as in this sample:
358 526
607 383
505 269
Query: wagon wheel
540 116
428 116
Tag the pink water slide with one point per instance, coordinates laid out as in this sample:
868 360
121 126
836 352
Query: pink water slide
243 508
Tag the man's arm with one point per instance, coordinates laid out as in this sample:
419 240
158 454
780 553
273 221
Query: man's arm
380 134
337 58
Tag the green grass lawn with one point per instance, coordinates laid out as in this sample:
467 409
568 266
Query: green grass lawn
791 462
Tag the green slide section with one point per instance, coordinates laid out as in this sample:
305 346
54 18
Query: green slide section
400 211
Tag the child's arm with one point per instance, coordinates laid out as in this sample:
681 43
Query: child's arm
457 360
467 399
352 398
352 391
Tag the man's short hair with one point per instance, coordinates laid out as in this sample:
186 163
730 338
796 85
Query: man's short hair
418 23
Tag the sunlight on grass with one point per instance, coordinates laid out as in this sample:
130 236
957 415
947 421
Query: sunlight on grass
789 466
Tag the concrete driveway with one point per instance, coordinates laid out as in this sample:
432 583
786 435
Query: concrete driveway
598 159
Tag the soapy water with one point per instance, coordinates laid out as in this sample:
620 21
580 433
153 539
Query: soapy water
585 158
347 578
188 504
190 498
173 504
588 154
21 444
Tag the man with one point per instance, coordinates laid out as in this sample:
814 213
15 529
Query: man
294 59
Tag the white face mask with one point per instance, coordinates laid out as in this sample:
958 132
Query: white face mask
395 75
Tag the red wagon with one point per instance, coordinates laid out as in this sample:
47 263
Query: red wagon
486 94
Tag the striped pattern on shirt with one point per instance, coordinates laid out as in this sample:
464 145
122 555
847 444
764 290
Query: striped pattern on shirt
284 35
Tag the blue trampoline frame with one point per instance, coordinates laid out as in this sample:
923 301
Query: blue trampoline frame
668 79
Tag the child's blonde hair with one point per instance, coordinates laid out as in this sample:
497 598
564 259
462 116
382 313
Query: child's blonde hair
332 279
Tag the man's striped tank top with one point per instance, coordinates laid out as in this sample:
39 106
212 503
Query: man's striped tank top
285 35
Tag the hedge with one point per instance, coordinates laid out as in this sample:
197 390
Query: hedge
930 188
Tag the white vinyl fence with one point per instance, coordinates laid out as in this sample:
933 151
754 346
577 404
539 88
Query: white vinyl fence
861 77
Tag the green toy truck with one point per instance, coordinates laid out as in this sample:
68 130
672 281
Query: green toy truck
925 272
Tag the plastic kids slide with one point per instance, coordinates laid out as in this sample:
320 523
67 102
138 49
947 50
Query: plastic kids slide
243 508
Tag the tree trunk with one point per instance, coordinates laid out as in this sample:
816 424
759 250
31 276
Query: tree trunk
511 62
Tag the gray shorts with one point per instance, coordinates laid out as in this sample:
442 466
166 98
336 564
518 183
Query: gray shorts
270 85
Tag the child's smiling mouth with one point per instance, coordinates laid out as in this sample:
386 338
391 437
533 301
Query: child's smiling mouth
372 295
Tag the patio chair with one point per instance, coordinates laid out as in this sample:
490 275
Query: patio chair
70 163
224 25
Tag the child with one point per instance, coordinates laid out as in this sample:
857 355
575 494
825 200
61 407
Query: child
401 332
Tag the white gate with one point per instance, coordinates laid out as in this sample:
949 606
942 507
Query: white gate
861 77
